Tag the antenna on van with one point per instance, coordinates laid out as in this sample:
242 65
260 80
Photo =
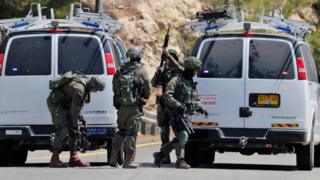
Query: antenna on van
219 21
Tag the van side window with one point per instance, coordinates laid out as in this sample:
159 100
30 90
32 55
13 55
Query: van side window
309 63
29 56
82 54
222 59
270 60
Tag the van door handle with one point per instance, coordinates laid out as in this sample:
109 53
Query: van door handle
245 112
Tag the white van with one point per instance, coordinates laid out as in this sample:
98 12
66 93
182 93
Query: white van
29 60
262 93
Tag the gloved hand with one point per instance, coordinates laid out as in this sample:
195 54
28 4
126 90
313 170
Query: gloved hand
182 108
206 114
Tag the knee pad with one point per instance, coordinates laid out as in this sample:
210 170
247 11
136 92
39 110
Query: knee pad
183 138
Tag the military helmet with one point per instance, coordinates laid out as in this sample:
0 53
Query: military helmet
97 83
134 53
192 63
174 54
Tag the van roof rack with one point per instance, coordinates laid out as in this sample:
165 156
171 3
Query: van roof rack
221 21
77 19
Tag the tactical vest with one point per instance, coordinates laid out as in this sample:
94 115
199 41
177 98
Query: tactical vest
189 94
66 79
129 93
57 95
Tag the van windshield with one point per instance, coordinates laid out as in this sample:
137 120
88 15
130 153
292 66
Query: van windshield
269 59
79 54
222 59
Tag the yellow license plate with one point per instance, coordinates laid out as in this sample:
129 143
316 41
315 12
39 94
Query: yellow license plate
268 100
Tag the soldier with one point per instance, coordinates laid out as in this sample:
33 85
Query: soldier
181 97
162 77
131 87
65 103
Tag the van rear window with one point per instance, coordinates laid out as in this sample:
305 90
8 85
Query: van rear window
29 56
222 59
269 59
79 54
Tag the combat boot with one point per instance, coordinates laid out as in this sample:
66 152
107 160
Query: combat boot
75 161
166 159
113 162
55 161
129 162
158 156
182 164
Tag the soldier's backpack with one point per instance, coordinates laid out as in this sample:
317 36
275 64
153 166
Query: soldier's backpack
66 79
127 86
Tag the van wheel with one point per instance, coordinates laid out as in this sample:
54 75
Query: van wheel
305 156
17 156
3 153
191 153
206 156
317 156
199 154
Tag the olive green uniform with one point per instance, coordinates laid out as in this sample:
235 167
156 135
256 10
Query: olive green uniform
65 106
129 116
180 91
163 115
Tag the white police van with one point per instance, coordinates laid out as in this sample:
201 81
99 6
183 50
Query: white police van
37 51
261 90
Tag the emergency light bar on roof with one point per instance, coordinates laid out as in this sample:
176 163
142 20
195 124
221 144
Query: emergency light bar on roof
220 21
76 19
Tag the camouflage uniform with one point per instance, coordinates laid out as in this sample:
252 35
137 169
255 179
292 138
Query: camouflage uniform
171 69
65 106
180 97
129 116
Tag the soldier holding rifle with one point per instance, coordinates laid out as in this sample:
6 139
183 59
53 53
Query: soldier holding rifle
182 100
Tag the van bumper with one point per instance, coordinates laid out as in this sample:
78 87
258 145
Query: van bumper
44 131
265 136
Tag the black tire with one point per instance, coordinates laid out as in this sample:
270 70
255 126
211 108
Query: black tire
206 157
305 157
3 153
109 149
191 152
12 155
18 156
317 156
197 153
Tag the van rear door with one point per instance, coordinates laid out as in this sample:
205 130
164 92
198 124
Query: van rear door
273 93
86 54
221 82
25 80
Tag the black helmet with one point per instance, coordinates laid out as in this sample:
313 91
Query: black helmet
97 83
135 53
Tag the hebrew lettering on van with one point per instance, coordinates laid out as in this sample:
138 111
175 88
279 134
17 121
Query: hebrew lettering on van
208 99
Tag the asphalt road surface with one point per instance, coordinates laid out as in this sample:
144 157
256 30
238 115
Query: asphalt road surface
228 166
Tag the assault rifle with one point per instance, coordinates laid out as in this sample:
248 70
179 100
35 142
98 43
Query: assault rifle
186 120
165 45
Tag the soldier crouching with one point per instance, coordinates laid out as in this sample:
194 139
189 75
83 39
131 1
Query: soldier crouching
182 101
65 103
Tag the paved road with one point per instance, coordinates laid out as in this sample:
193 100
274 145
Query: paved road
228 166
